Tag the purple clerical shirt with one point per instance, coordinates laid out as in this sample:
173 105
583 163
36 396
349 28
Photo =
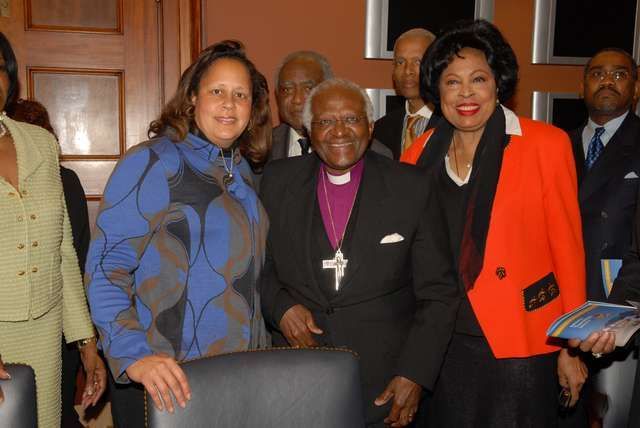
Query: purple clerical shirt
341 198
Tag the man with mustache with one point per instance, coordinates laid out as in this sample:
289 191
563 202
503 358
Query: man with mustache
398 128
607 156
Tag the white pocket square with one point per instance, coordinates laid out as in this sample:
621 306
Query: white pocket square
632 174
390 239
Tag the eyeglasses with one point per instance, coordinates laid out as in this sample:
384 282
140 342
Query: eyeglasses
330 123
600 75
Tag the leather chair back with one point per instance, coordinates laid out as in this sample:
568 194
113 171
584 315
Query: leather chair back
279 387
18 410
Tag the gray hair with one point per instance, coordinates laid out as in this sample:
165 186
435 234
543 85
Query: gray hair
415 32
327 73
330 83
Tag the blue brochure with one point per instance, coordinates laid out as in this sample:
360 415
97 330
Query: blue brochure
597 316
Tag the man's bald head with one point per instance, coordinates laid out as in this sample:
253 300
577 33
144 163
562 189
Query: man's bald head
427 35
408 50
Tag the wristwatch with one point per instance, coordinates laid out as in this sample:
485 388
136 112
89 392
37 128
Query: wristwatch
84 342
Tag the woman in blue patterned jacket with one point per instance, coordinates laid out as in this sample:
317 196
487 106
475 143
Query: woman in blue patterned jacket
179 239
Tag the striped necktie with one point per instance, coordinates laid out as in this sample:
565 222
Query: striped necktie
595 148
409 133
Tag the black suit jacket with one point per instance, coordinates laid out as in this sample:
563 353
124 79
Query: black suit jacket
607 195
397 303
280 144
388 130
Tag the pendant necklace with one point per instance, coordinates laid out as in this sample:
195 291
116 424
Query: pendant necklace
227 179
455 160
338 262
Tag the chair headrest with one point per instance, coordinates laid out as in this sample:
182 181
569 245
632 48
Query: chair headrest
19 407
279 387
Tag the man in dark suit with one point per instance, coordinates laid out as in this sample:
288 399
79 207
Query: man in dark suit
355 257
296 76
399 127
607 156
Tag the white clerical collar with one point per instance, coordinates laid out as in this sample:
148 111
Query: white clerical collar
424 111
339 180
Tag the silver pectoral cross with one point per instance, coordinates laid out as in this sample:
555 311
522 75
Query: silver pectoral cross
339 263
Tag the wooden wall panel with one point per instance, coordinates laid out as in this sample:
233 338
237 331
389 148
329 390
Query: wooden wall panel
73 50
93 174
104 16
85 107
181 41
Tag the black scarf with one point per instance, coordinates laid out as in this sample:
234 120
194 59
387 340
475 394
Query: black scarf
481 190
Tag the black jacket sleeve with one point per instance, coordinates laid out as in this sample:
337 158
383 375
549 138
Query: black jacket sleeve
276 300
78 214
437 297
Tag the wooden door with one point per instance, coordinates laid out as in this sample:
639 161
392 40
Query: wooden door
97 67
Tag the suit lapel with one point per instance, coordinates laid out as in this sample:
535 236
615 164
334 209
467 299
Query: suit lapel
616 155
299 204
372 194
27 153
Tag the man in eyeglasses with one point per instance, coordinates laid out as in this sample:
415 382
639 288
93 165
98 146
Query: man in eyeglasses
607 156
354 257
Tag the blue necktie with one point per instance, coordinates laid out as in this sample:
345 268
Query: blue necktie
595 148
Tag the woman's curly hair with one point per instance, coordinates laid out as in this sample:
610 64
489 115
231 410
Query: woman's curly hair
481 35
177 117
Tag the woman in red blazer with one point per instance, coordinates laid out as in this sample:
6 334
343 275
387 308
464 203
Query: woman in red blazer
508 186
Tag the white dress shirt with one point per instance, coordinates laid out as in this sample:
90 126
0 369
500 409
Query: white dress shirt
294 146
610 128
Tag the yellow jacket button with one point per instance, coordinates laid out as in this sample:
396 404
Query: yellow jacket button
32 216
34 269
21 273
34 244
20 246
20 218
